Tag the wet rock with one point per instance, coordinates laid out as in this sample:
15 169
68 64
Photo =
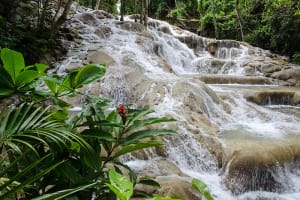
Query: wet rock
177 187
228 43
281 97
287 74
103 31
165 29
145 34
131 26
249 71
68 33
101 14
254 164
99 57
270 68
296 99
192 41
227 79
212 48
214 146
88 18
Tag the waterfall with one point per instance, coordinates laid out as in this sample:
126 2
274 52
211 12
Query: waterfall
161 68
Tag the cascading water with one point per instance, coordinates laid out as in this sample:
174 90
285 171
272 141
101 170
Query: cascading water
160 67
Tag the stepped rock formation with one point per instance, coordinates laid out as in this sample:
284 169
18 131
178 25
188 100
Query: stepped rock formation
209 86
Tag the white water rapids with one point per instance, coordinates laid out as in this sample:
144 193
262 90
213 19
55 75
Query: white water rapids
169 61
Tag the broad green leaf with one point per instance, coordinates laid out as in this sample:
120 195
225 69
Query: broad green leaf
101 123
56 84
91 159
88 74
64 193
60 102
26 77
120 185
138 146
69 80
41 68
136 136
13 62
5 92
137 114
101 135
149 181
5 80
202 188
60 115
53 83
68 170
149 121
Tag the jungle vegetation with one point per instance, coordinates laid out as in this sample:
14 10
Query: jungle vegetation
273 25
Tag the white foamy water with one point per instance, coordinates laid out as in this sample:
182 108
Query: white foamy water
180 94
254 119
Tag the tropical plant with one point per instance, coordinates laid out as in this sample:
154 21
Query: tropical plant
202 188
50 153
124 188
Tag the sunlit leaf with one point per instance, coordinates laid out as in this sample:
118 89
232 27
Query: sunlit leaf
13 62
88 74
136 136
120 185
138 146
202 188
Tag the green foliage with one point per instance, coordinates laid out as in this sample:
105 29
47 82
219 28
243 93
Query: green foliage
202 188
296 57
52 153
120 185
12 185
15 76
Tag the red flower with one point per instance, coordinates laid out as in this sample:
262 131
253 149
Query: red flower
122 112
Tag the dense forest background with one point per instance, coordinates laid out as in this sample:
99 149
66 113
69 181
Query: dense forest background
33 27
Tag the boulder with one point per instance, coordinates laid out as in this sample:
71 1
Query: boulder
256 164
296 99
101 14
103 31
212 48
287 74
226 79
270 68
99 57
131 26
88 18
177 187
249 71
273 97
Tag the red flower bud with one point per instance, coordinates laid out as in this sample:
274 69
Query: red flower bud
122 112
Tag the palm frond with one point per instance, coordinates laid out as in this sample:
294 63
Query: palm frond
29 126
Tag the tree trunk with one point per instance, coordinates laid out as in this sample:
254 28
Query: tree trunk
43 15
57 11
171 4
217 32
56 25
239 18
201 12
142 11
123 5
95 4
